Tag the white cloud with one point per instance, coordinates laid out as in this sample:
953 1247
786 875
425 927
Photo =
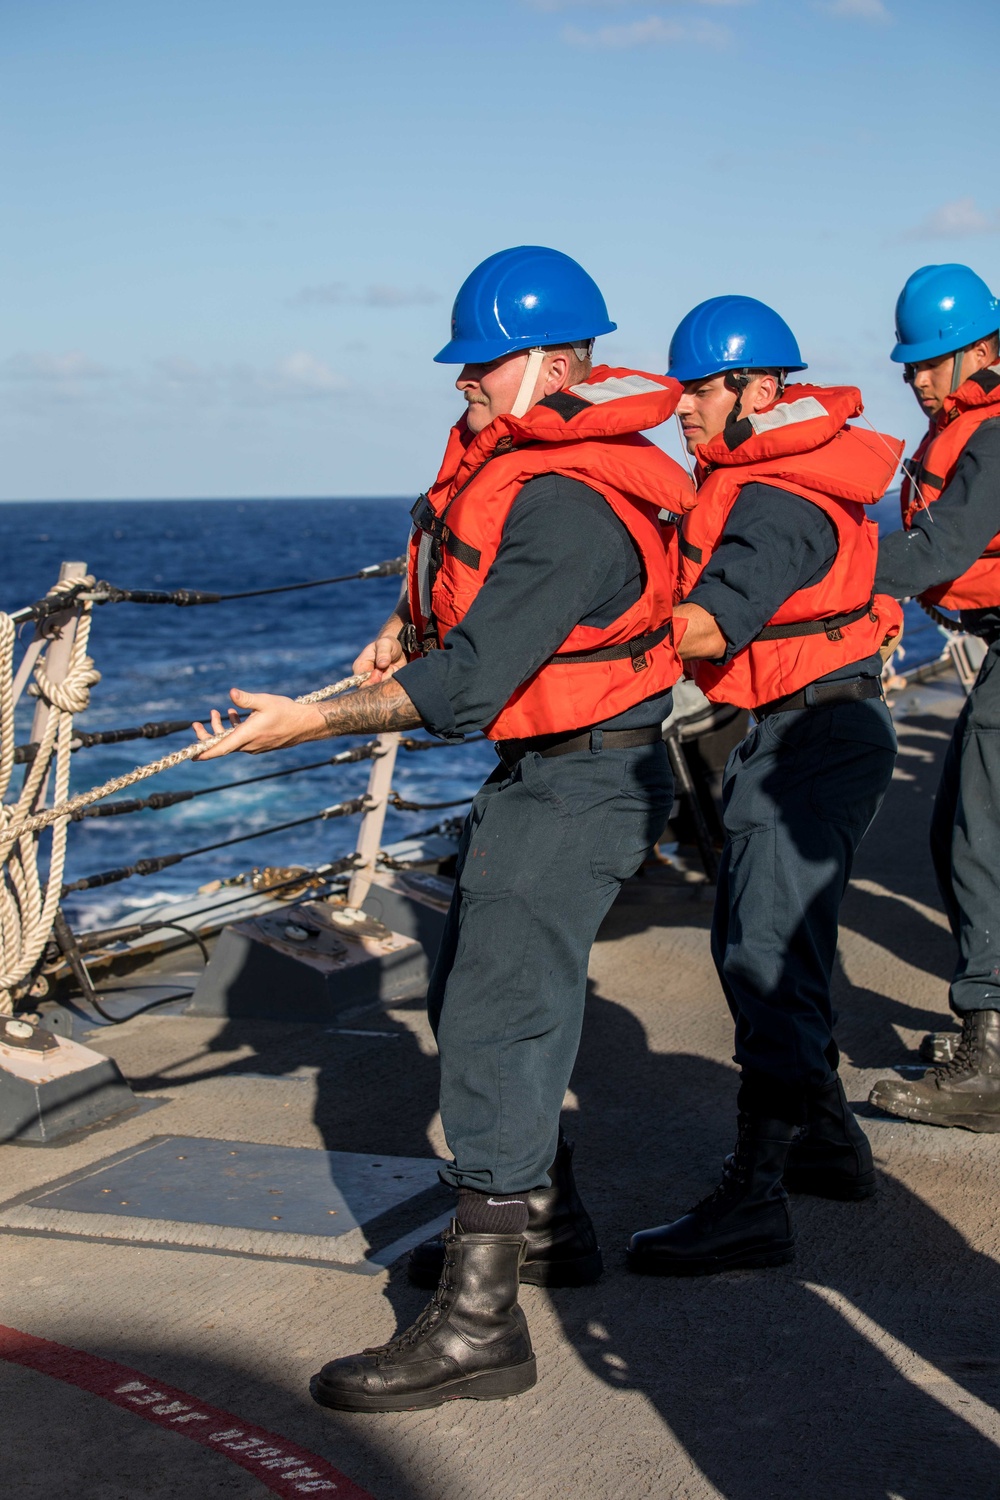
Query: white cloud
380 294
857 10
297 376
654 30
959 219
303 374
53 369
39 382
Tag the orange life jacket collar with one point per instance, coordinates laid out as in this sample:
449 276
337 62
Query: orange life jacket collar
931 470
802 444
590 432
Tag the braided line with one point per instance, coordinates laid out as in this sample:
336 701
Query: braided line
65 809
27 906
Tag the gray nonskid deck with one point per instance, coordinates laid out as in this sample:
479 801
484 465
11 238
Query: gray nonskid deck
866 1370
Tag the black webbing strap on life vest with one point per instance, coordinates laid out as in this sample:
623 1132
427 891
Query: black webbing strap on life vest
833 628
918 476
425 519
635 648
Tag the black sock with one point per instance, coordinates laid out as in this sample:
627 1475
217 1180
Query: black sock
764 1096
491 1213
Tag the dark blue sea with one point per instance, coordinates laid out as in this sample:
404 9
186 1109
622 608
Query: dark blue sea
160 662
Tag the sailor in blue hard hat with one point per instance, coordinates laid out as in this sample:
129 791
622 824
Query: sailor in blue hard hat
777 572
538 610
948 557
733 337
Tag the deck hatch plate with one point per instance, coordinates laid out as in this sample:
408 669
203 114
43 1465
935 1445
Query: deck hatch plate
290 1201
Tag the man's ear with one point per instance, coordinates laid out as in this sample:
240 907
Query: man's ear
764 392
982 354
556 372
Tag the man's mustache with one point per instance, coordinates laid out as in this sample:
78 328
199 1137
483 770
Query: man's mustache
475 400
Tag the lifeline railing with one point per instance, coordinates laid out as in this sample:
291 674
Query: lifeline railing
56 669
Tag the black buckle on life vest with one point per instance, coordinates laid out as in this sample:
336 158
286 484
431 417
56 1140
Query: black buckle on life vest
410 641
637 651
833 628
422 514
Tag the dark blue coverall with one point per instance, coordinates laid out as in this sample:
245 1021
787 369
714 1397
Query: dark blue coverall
546 845
799 793
945 540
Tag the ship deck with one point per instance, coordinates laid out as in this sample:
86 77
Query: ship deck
868 1370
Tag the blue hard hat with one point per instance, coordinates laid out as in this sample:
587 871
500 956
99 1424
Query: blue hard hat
941 309
732 333
525 298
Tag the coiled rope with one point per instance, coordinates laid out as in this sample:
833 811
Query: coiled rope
27 907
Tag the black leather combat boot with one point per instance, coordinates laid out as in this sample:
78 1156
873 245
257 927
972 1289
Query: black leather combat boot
745 1224
470 1340
939 1046
832 1157
561 1246
964 1092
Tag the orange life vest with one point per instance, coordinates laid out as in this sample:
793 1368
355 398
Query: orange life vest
801 444
589 433
932 468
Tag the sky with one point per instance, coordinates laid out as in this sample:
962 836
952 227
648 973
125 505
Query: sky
233 229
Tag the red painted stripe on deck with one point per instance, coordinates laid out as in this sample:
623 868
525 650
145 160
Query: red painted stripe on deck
281 1466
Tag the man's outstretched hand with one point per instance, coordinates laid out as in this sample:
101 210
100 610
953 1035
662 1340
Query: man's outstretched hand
274 723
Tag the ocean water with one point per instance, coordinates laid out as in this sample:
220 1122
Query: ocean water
161 662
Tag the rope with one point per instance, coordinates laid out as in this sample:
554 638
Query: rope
27 907
65 808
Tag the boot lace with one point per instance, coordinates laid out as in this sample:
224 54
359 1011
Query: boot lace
734 1177
965 1058
425 1322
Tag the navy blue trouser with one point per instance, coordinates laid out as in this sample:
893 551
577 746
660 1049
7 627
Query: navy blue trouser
798 795
965 842
543 855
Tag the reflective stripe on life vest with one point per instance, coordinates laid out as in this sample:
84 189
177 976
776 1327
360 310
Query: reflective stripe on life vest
931 470
590 433
802 444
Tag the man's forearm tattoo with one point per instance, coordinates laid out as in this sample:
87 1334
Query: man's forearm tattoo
377 710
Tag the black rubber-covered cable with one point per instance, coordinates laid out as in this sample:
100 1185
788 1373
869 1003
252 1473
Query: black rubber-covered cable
93 996
54 604
100 937
154 865
83 739
159 800
402 805
393 567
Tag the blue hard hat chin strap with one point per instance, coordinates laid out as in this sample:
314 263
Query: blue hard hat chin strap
736 380
957 361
